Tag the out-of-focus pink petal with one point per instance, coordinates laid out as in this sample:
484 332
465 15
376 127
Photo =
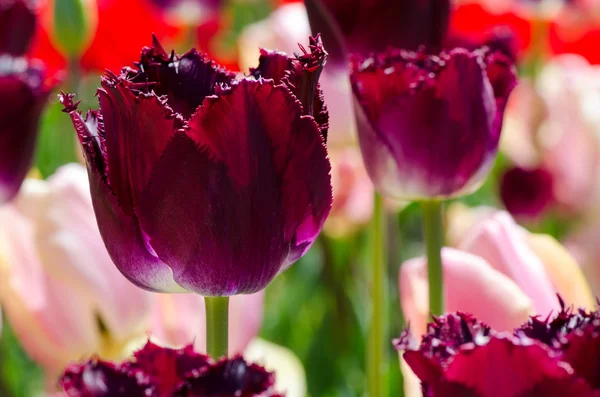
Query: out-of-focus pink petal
471 285
500 242
352 193
179 319
60 289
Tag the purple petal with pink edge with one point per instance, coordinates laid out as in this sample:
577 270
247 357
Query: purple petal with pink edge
239 195
363 27
167 368
17 26
230 378
427 124
22 99
136 132
186 80
126 242
208 4
102 379
526 192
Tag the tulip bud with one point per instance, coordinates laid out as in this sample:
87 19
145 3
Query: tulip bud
74 23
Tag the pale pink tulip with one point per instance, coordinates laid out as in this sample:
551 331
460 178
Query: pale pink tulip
471 285
59 289
178 319
283 30
500 242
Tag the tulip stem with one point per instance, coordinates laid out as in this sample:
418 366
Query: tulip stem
217 327
378 339
434 240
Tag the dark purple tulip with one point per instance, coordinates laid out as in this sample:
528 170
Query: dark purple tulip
203 182
23 94
17 26
461 357
526 192
429 125
362 27
161 372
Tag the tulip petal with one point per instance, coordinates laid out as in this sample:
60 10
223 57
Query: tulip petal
102 379
125 242
262 197
505 368
563 271
17 26
498 239
185 80
166 368
233 377
133 144
472 285
21 102
118 226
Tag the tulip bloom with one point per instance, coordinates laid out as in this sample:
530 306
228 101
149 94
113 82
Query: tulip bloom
58 287
202 182
501 274
461 356
24 89
17 25
429 125
526 192
163 372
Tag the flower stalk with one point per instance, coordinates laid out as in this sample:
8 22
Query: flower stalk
433 234
377 355
217 326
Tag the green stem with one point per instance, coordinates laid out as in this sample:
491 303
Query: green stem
378 338
434 240
217 313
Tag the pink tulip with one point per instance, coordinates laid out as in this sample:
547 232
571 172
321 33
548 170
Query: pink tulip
501 274
178 319
58 287
283 30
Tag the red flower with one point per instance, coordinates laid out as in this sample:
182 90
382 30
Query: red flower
161 372
461 357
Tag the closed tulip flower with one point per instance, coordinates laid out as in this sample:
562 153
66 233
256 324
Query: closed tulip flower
58 287
202 182
24 89
17 25
429 125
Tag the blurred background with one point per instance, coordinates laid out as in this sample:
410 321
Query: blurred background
546 175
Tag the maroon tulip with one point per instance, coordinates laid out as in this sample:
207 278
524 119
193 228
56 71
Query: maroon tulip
363 27
161 372
17 26
462 357
23 94
204 182
526 192
429 126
